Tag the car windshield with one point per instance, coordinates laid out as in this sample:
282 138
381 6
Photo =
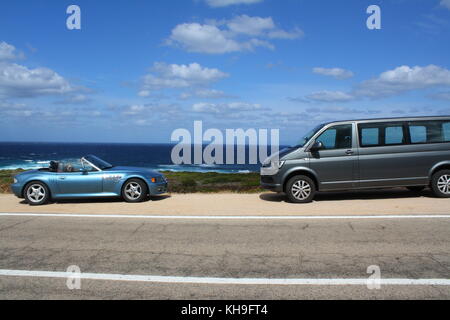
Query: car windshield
99 163
308 136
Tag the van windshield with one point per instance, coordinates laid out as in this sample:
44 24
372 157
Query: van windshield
308 136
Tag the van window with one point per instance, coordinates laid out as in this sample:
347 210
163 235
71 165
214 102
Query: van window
446 129
394 135
338 137
418 134
429 131
381 134
370 137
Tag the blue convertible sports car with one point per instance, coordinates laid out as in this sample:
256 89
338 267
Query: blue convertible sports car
89 177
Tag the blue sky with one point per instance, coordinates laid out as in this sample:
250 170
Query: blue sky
137 70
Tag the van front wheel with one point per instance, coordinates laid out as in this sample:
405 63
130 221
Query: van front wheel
440 183
300 189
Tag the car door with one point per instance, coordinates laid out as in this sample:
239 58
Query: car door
336 163
80 183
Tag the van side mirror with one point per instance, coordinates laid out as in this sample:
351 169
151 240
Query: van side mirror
318 145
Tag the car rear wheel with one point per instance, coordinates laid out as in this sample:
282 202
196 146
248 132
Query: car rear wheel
134 190
440 184
36 193
300 189
416 188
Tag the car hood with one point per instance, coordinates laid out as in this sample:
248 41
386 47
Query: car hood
134 169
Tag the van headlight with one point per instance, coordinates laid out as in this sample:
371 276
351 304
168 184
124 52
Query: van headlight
278 164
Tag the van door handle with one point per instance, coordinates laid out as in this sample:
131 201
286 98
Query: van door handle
349 152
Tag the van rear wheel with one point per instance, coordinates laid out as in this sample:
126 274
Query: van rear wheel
300 189
440 184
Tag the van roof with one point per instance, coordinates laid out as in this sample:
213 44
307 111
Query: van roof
392 119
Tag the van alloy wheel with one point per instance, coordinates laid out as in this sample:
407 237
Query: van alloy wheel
444 184
300 189
440 184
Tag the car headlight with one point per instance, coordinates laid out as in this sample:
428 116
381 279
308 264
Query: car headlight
15 180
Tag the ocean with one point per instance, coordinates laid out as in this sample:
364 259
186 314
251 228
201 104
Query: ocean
31 155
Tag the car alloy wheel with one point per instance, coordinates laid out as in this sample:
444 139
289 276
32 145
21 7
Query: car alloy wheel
36 194
134 190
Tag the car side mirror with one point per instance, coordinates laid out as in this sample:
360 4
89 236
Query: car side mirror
318 145
84 171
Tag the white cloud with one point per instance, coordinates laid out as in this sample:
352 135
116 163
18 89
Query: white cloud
147 114
286 35
225 3
204 94
174 76
20 81
8 52
225 108
445 3
195 37
329 96
389 83
242 33
403 79
253 26
74 99
337 73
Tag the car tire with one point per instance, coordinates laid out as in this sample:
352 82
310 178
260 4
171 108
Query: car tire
36 193
134 190
440 184
416 188
300 189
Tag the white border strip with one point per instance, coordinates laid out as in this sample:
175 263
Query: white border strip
224 281
156 217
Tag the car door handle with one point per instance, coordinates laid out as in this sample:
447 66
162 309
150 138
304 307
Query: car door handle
349 152
62 178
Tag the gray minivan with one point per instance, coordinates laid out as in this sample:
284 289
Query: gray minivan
358 154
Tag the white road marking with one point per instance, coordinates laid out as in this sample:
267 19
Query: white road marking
61 215
226 281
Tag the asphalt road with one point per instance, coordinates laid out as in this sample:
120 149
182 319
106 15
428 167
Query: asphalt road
231 249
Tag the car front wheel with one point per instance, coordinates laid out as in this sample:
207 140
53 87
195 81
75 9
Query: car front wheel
440 184
134 190
36 193
300 189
